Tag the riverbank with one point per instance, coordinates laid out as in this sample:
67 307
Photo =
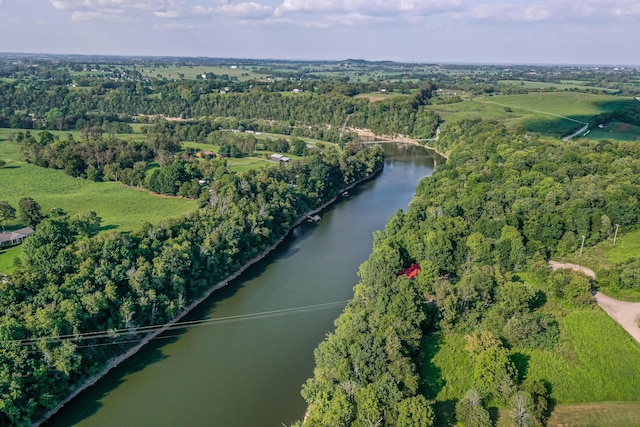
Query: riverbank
132 351
367 133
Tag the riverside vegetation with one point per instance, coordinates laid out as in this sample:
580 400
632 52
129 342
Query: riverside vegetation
503 330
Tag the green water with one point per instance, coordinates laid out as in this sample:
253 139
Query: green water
248 371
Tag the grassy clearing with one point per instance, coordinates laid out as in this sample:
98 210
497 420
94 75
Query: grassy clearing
549 113
610 414
7 257
445 367
595 361
616 131
118 206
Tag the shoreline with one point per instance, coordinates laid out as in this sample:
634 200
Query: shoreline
113 363
367 133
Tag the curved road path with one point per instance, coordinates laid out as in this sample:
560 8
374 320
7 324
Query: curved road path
626 314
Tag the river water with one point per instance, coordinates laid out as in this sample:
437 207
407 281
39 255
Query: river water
248 370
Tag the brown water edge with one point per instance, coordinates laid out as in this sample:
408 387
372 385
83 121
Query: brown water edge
113 363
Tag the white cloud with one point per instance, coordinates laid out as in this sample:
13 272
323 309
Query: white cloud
369 7
555 10
174 26
250 10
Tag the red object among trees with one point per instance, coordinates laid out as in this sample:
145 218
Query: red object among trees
412 271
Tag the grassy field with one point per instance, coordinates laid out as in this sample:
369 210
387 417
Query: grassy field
7 257
567 85
595 361
120 208
549 113
191 72
616 131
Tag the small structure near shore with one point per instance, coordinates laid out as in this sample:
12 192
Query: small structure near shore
313 218
411 271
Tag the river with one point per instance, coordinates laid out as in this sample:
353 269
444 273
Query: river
248 370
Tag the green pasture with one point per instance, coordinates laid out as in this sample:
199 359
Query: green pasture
616 131
192 72
548 113
574 105
565 85
118 206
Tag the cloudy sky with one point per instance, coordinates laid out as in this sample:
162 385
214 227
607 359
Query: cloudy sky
479 31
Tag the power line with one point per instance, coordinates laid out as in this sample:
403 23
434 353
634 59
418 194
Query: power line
115 333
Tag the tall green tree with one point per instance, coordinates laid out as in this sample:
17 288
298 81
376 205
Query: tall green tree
7 212
30 211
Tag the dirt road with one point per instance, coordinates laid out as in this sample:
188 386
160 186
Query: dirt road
626 314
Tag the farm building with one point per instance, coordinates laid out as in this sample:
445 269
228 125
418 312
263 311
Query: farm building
15 237
279 158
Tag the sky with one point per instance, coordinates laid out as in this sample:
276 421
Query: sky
605 32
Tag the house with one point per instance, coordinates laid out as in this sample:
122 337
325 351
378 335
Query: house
279 158
15 237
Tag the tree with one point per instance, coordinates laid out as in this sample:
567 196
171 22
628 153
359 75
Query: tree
2 163
522 409
7 212
30 211
415 412
471 412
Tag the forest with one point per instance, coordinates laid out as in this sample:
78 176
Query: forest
504 203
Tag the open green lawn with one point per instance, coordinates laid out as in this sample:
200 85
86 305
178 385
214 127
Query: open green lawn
616 131
595 361
550 113
118 206
7 256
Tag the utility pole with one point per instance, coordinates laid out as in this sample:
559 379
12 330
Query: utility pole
582 247
615 236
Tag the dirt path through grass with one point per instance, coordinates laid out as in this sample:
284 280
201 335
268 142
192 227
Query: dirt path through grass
626 314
